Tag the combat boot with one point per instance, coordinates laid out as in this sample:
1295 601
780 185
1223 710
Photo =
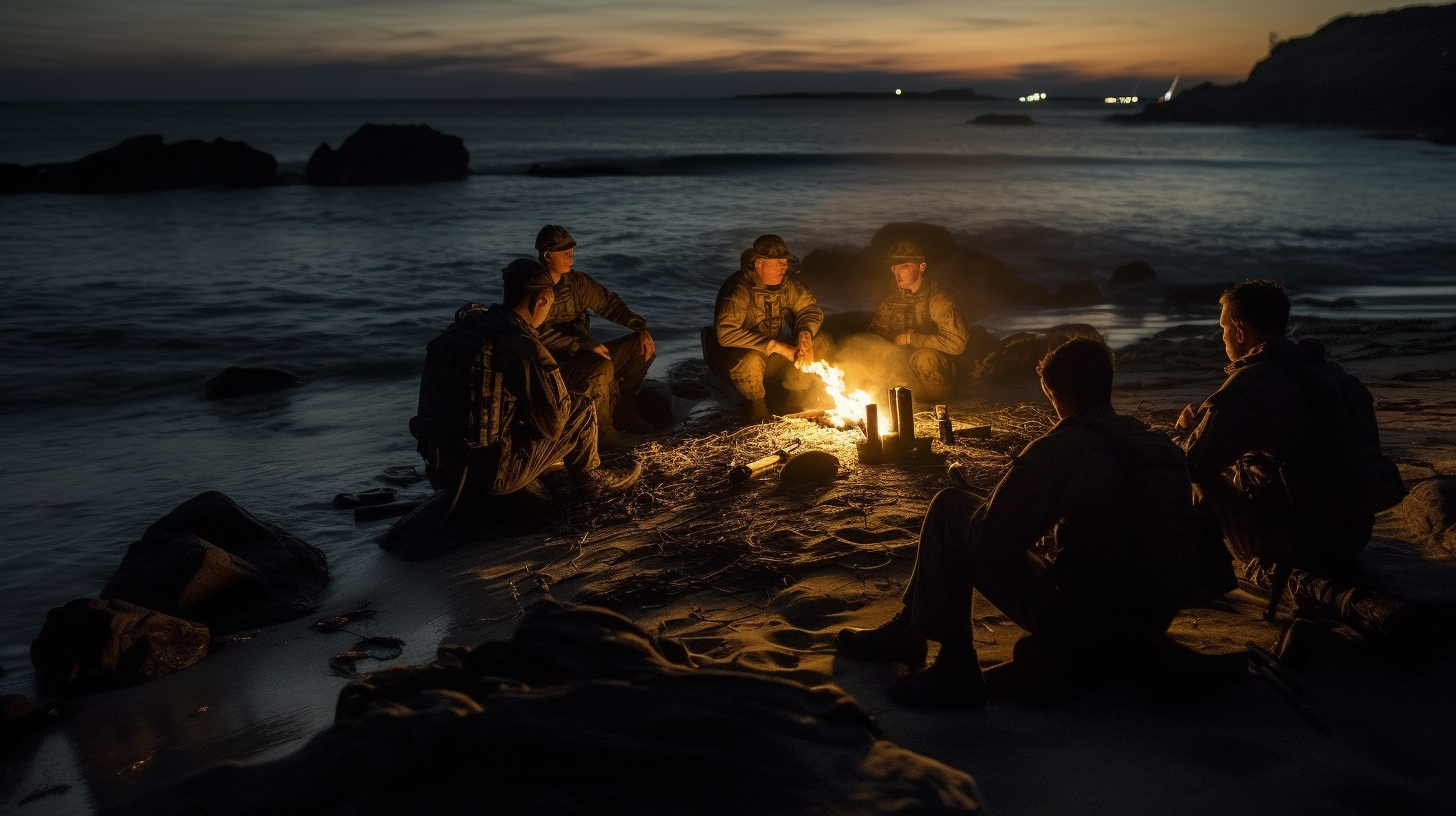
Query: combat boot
627 420
608 480
891 642
954 680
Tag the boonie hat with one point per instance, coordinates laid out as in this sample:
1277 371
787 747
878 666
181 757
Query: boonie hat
770 247
526 273
554 238
905 252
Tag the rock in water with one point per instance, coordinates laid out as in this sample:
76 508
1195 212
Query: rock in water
390 154
1129 274
580 712
1429 512
210 560
146 163
93 644
235 381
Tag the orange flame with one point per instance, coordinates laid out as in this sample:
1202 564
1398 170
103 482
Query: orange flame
849 407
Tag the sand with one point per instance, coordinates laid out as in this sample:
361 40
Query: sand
758 579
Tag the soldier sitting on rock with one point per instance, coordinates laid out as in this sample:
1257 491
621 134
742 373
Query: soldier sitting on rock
1090 543
925 323
494 412
1287 455
756 307
610 373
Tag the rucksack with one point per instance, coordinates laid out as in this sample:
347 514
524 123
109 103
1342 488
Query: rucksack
1358 480
463 399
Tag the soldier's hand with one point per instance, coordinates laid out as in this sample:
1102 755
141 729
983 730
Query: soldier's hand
782 349
649 348
804 354
602 351
1187 421
902 339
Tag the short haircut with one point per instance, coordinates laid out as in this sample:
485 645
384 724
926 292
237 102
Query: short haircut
516 292
1079 372
1263 305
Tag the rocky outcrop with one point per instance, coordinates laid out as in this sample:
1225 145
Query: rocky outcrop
390 154
235 381
1395 69
210 560
1429 513
980 279
1019 353
1130 274
94 644
580 712
146 163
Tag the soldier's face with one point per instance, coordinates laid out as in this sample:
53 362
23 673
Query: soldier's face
541 307
1235 339
559 263
908 275
771 270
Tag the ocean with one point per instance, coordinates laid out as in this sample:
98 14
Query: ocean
118 308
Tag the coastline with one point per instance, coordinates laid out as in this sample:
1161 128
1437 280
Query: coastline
842 557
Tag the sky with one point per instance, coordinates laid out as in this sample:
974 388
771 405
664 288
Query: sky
309 49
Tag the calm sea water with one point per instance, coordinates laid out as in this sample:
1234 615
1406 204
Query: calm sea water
117 308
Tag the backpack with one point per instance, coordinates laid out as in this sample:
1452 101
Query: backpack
463 399
1177 551
1358 480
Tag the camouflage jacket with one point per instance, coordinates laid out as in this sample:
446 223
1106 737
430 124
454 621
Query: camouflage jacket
568 325
749 314
531 375
931 315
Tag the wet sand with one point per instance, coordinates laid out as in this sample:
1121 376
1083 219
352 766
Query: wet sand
760 580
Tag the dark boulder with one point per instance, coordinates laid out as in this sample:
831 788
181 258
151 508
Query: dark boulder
1129 274
390 154
235 381
147 163
654 404
1429 513
1019 353
1392 69
580 712
686 379
93 644
212 561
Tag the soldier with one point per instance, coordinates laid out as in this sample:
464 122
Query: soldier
924 320
610 373
494 412
1113 498
746 342
1287 455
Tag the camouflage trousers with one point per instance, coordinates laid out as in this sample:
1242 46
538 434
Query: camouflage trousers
931 374
608 383
749 369
503 469
952 562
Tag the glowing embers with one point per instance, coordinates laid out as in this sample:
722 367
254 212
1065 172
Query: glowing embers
849 408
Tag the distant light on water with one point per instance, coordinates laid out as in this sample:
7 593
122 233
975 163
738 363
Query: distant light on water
897 92
1120 100
1036 97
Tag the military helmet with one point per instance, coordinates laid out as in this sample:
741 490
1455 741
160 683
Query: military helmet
554 238
902 252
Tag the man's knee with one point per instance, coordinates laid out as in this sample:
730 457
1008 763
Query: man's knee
934 369
747 372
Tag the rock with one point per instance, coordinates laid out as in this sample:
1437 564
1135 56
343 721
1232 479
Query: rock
146 163
686 379
844 325
580 712
1186 296
1002 119
93 644
1130 273
212 561
235 381
1389 70
379 495
1429 513
654 404
1020 353
390 154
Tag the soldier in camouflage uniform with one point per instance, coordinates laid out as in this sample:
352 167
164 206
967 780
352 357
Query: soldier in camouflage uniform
539 421
610 373
755 306
1112 499
925 322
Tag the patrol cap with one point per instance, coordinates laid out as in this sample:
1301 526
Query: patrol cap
554 238
902 252
526 273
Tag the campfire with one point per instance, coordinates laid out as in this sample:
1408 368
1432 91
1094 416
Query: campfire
849 407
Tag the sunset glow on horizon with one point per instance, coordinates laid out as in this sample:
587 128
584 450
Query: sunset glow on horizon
939 41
